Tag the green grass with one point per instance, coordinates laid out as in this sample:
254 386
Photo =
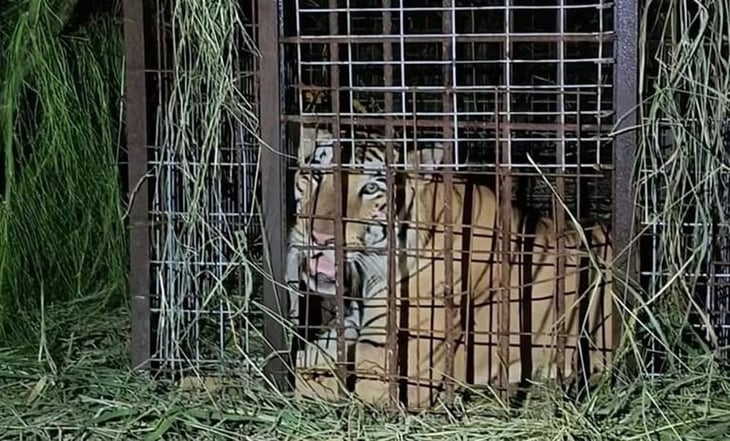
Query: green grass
61 233
90 394
64 325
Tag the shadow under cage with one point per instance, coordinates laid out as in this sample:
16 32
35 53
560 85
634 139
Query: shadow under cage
451 163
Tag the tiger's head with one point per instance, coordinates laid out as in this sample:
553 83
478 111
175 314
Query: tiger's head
365 205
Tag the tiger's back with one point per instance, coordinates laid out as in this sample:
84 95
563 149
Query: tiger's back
476 288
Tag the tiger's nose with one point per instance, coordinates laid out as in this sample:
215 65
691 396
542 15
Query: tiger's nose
323 238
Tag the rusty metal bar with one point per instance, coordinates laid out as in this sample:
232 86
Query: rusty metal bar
392 336
560 212
475 38
435 123
505 217
405 298
317 306
504 197
546 91
471 172
583 361
340 210
275 300
139 240
448 184
624 147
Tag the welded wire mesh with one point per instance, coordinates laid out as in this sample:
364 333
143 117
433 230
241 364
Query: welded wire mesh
683 206
498 83
204 226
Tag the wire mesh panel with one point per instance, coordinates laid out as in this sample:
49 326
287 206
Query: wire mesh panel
684 202
445 154
202 155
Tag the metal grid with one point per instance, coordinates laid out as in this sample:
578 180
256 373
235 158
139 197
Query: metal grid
547 68
188 275
717 294
706 277
494 82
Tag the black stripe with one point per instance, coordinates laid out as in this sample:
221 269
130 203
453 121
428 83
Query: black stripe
403 334
351 376
529 229
583 368
403 340
375 155
467 305
492 264
371 342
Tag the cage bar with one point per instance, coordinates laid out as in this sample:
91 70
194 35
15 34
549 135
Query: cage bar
392 338
624 146
275 299
340 207
504 199
136 120
447 54
527 77
191 280
559 210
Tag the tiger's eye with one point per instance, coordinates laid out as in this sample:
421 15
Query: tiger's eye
370 188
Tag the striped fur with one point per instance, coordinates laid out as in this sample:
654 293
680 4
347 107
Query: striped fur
477 270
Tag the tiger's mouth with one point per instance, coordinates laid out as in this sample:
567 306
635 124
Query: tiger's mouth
321 273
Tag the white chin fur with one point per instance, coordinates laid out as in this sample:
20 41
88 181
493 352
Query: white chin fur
322 288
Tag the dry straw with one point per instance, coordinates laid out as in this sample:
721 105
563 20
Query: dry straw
90 394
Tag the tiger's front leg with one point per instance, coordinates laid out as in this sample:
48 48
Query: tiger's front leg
292 281
316 363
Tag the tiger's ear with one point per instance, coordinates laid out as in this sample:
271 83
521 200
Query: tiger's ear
315 146
427 158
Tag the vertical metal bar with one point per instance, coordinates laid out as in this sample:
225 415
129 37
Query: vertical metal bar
139 239
403 293
448 159
505 204
340 211
391 339
582 368
305 315
559 211
161 282
272 194
404 322
505 218
624 147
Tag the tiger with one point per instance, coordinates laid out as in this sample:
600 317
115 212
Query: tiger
420 283
316 151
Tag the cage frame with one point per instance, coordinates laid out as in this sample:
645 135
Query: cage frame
626 102
625 62
273 200
137 39
136 133
276 300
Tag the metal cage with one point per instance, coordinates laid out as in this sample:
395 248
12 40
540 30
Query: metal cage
520 95
705 274
188 248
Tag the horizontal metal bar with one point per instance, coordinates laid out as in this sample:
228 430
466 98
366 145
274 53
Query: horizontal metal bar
514 89
598 5
538 37
440 123
464 61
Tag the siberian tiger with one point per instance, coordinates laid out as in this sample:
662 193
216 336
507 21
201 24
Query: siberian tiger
476 269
